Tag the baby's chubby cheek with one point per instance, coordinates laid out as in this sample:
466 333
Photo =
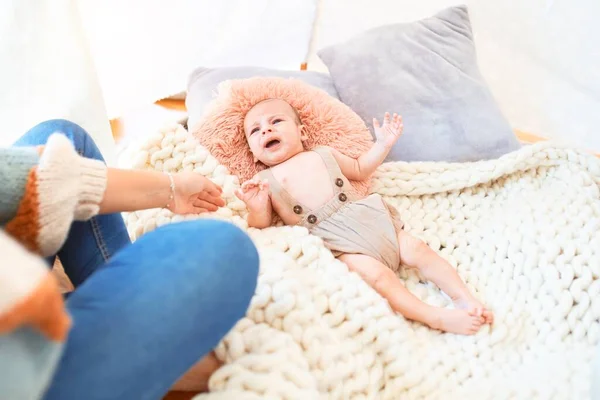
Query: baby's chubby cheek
255 149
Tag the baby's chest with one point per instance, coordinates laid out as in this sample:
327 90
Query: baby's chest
307 185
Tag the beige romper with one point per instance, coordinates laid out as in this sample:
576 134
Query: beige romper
347 223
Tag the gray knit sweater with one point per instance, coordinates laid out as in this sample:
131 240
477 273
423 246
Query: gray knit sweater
42 191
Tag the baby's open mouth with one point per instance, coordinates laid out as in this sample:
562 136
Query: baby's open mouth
271 143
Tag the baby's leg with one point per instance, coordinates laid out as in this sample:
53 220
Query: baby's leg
414 253
387 284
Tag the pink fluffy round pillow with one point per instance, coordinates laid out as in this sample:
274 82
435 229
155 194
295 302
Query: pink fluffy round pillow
327 121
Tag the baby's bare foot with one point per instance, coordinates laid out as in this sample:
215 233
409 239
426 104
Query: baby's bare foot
457 321
475 307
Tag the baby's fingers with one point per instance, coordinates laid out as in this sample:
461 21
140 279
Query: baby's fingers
264 185
240 194
249 185
376 123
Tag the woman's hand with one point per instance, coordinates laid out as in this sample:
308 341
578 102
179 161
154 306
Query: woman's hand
194 194
390 131
133 190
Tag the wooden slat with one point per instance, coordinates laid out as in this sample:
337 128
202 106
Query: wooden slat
145 120
172 104
529 138
180 395
525 137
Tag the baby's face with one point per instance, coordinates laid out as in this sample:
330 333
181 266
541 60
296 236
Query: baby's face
273 132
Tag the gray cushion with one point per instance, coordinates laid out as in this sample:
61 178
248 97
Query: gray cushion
203 82
427 72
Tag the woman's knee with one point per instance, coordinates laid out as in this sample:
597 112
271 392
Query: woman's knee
224 258
82 141
237 253
199 272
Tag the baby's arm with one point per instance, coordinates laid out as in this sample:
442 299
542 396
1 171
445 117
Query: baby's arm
261 218
255 193
361 168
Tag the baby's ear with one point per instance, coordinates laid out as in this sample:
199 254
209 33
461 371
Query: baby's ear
302 133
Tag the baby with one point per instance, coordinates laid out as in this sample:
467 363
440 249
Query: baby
312 189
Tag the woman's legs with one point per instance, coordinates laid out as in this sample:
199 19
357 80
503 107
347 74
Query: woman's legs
89 243
156 308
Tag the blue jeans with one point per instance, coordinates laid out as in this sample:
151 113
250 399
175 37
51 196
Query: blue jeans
144 313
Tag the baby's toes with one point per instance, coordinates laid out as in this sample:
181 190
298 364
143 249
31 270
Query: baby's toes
475 326
475 311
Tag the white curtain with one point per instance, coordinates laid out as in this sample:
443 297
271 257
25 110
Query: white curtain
46 71
144 50
541 58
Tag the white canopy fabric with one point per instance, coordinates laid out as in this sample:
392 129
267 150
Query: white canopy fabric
89 61
540 57
144 50
46 71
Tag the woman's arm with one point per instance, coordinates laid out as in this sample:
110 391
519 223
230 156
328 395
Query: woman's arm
187 192
45 189
29 293
16 165
130 190
34 216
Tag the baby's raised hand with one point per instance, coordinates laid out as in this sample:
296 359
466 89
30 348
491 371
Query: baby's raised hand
254 193
390 131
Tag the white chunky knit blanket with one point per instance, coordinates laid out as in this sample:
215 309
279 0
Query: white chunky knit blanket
523 232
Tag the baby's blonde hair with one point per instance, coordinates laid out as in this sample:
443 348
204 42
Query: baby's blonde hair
298 119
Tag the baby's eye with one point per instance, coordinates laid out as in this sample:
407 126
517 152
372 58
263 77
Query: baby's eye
277 120
254 131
